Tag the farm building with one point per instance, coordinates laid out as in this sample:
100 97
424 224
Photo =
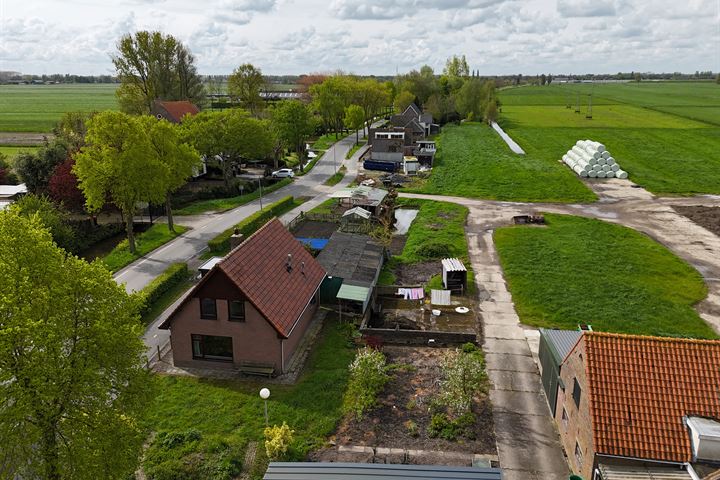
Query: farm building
10 193
173 111
554 347
368 198
640 407
251 309
353 263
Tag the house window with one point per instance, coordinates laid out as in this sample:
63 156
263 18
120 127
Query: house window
578 454
236 310
565 418
210 347
208 309
577 391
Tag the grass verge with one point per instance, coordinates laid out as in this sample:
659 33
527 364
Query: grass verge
337 177
309 165
204 425
156 236
580 270
326 141
355 148
224 204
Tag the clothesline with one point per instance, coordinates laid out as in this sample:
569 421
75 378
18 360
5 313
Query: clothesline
412 293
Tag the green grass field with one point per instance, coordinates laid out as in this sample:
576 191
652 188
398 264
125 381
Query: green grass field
666 135
579 270
473 161
12 151
226 415
36 108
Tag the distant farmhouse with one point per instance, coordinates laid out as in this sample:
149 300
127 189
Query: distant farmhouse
173 111
404 145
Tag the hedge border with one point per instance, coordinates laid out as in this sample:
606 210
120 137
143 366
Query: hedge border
173 275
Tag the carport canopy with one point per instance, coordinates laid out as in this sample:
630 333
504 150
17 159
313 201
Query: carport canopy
355 293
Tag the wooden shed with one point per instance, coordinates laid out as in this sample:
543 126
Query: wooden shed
454 275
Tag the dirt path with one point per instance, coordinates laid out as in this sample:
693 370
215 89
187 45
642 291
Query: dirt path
24 138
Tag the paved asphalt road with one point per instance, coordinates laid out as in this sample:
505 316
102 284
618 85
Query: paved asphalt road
188 246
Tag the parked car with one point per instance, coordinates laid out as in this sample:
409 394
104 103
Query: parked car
283 173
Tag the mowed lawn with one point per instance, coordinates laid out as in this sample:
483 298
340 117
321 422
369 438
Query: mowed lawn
36 108
225 415
473 161
650 129
578 270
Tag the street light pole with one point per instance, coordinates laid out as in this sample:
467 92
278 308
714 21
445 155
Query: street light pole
260 184
334 164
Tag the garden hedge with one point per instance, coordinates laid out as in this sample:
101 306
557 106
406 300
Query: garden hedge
173 275
251 224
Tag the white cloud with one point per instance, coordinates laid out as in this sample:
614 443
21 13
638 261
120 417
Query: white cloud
586 8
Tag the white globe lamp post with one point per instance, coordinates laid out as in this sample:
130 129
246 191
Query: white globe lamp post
265 394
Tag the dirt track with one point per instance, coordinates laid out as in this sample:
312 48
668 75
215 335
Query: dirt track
24 138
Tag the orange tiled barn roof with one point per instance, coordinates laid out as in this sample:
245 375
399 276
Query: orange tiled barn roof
641 388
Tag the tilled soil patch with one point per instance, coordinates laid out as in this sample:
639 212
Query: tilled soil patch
706 217
405 401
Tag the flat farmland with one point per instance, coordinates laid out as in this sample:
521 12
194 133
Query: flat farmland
649 129
36 108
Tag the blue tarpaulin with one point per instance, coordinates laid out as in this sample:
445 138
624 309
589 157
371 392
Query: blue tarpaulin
314 243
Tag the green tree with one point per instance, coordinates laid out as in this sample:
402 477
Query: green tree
53 217
637 76
230 135
72 129
469 99
119 163
371 96
456 67
293 123
422 84
403 100
150 66
178 157
244 85
330 99
440 106
35 169
491 111
72 377
354 119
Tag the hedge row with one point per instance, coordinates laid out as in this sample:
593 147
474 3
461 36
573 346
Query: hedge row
221 243
173 275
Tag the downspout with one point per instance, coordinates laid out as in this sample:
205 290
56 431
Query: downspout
282 355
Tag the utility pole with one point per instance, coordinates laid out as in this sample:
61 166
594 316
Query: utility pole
589 112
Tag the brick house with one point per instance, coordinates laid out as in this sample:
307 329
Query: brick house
627 407
173 111
252 308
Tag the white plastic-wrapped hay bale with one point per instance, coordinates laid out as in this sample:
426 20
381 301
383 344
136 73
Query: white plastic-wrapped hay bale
606 168
601 174
592 174
605 154
610 174
621 174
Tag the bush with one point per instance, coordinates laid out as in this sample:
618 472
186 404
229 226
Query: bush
432 249
367 379
251 224
87 234
443 427
173 275
277 441
412 428
464 377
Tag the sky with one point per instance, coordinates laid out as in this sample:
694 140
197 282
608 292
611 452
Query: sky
371 37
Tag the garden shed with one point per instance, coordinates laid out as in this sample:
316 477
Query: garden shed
454 275
554 347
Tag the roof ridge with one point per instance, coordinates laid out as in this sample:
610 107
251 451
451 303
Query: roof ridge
702 341
256 232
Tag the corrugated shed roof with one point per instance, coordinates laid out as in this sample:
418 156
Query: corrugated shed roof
352 257
640 388
453 265
374 471
561 341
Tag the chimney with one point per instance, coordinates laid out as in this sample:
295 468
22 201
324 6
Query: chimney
288 263
235 239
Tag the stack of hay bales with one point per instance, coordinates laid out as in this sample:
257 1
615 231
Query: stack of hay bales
591 159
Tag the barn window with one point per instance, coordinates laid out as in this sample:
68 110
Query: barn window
577 391
208 309
236 310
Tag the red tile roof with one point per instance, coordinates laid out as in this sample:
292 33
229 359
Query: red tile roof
640 388
258 268
177 110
